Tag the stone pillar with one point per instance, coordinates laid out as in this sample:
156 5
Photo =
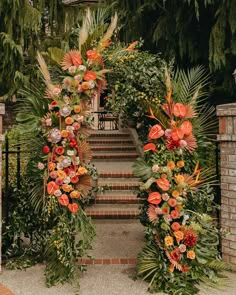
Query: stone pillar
2 112
227 140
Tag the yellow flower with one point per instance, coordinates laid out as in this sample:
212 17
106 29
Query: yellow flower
75 194
179 179
51 166
82 170
171 165
180 164
169 241
179 235
191 254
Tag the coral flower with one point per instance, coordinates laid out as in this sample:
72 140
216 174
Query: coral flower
174 214
163 183
154 198
156 132
179 179
63 200
175 194
180 164
60 150
51 166
67 188
52 187
61 174
73 207
69 120
90 75
77 108
169 241
150 147
187 127
165 210
64 133
175 254
75 194
93 55
171 165
85 85
179 110
191 254
179 235
74 179
175 226
177 133
172 202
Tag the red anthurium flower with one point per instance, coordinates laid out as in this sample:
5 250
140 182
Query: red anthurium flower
93 55
73 207
76 59
90 75
150 147
46 149
163 183
156 132
63 200
154 198
177 133
52 187
187 127
179 110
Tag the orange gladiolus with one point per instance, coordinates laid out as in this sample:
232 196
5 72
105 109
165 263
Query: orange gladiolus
179 235
61 174
154 198
156 132
179 110
93 55
163 183
82 170
179 179
69 120
90 75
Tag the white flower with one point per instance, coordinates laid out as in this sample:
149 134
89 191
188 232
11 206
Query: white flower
65 110
57 193
155 168
91 84
70 128
78 118
67 180
48 122
183 143
182 248
82 68
158 210
180 152
41 166
168 133
186 217
60 166
56 91
70 152
78 78
165 197
167 218
66 162
66 99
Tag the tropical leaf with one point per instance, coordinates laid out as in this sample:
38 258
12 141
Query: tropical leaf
84 151
84 185
56 54
141 169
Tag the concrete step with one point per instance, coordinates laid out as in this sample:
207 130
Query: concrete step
113 166
113 211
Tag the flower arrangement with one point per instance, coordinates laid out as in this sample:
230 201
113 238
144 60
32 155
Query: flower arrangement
176 257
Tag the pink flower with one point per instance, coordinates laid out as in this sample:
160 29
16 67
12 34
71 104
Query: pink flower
59 181
53 174
72 69
158 210
155 168
41 166
167 218
168 133
183 143
48 122
182 248
165 197
76 126
57 193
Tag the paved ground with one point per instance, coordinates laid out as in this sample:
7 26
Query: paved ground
99 280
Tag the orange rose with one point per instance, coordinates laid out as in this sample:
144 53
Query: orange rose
77 108
191 254
175 194
179 235
85 85
60 150
69 120
61 174
179 179
180 164
82 170
174 214
171 165
172 202
51 166
75 194
175 226
169 241
64 133
67 188
179 207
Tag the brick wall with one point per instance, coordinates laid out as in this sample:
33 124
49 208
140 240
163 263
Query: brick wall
2 112
227 139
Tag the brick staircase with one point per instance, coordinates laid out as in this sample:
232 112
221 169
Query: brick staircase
116 207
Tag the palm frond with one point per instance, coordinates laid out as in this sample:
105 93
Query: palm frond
84 185
56 54
44 70
141 169
85 153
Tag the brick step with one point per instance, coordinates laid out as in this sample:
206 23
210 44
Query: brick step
113 211
110 141
114 174
113 148
117 193
116 199
108 261
107 133
121 155
134 185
